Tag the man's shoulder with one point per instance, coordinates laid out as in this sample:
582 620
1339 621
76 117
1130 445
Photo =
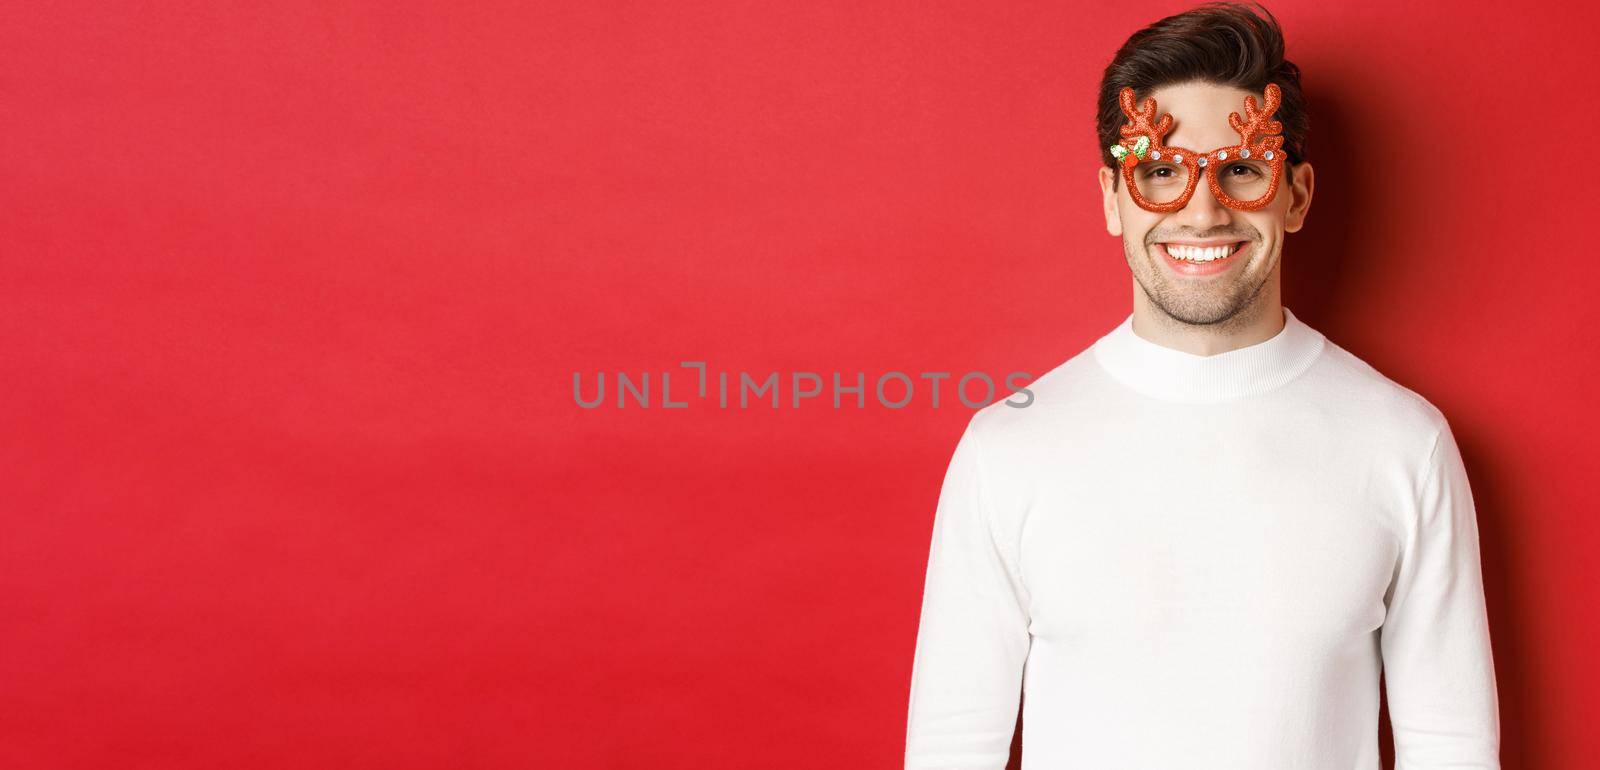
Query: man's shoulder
1371 400
1345 393
1047 405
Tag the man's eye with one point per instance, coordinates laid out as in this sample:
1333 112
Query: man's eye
1245 167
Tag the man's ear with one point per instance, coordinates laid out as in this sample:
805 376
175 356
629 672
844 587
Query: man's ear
1299 198
1108 197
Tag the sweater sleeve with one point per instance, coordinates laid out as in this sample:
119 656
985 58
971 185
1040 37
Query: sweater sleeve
1438 668
973 638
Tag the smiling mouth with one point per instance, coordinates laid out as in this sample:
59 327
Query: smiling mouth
1200 255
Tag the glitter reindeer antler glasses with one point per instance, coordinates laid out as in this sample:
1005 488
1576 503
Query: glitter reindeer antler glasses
1243 176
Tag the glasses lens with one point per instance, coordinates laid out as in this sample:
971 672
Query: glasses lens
1246 181
1161 181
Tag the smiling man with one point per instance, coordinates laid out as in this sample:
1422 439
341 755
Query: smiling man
1214 530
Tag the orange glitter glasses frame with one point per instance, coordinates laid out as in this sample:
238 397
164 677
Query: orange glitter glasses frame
1162 178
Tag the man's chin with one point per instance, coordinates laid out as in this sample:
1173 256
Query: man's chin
1212 305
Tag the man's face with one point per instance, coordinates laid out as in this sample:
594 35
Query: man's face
1205 292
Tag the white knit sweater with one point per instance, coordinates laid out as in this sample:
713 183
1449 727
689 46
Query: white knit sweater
1203 563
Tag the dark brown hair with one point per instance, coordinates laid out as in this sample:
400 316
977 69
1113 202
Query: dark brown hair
1224 43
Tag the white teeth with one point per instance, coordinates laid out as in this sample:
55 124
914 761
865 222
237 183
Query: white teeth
1198 254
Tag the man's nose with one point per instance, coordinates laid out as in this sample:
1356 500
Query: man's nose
1204 211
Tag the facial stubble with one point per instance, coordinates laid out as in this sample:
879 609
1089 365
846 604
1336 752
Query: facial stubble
1210 303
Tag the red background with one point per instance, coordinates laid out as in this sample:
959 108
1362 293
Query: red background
293 297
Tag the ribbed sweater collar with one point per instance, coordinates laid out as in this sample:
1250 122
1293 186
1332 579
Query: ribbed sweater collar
1174 375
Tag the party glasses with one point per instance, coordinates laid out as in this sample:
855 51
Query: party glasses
1160 178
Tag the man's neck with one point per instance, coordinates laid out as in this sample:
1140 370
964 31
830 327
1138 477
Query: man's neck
1259 322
